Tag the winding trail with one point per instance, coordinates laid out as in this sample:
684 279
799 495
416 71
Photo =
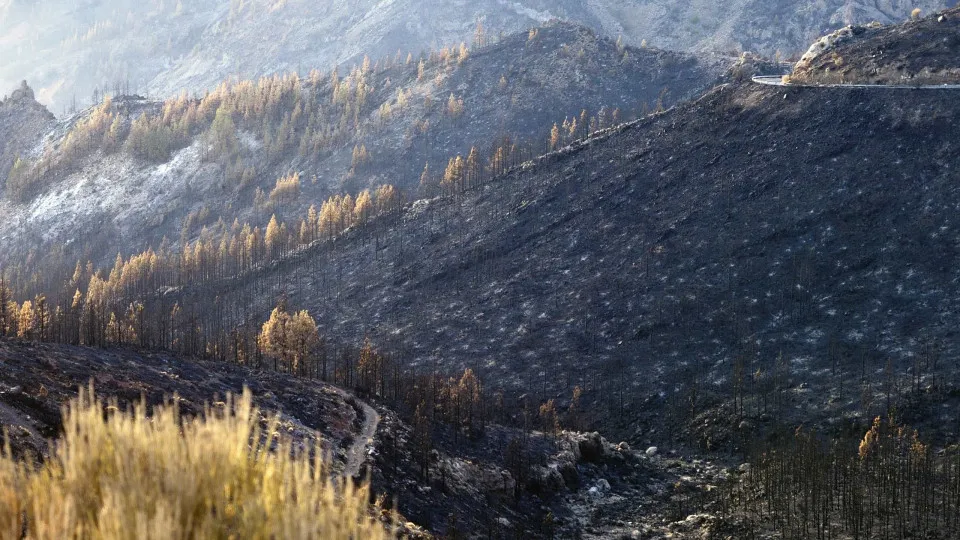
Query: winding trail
776 80
357 454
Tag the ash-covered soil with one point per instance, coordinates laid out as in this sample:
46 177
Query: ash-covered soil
921 52
572 485
36 380
812 225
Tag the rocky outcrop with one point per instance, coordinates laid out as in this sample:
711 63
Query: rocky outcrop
592 447
922 52
23 123
24 93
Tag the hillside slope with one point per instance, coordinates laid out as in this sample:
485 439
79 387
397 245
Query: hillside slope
160 48
23 123
37 379
512 91
811 225
919 52
471 486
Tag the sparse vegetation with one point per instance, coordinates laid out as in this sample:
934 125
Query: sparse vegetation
890 485
154 474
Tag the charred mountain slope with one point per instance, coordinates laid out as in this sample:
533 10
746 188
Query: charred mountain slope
813 225
36 380
918 52
516 89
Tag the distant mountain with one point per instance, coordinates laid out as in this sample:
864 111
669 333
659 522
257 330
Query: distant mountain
160 47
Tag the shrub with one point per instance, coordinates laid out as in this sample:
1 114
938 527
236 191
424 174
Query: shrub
126 475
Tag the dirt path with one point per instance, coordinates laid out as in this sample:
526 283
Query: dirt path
357 454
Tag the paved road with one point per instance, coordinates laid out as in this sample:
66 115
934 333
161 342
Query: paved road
778 81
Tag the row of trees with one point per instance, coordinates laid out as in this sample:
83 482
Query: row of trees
227 251
462 174
287 113
578 128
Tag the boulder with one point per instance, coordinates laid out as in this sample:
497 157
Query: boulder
566 465
652 451
592 447
545 480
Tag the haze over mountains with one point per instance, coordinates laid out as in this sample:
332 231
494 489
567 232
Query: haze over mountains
160 47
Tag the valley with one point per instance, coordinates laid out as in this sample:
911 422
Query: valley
551 285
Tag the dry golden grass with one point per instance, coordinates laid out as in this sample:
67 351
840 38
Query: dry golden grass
117 475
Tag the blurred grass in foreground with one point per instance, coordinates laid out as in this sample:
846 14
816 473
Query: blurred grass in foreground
117 475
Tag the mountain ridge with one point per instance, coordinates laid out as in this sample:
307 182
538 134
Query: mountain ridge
161 48
411 116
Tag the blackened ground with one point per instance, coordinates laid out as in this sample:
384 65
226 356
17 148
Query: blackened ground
813 225
36 380
918 52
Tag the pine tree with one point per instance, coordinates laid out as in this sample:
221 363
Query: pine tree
25 321
387 199
272 238
479 35
455 107
471 395
304 338
367 367
549 418
363 208
427 187
422 439
573 412
471 171
41 317
273 337
554 137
